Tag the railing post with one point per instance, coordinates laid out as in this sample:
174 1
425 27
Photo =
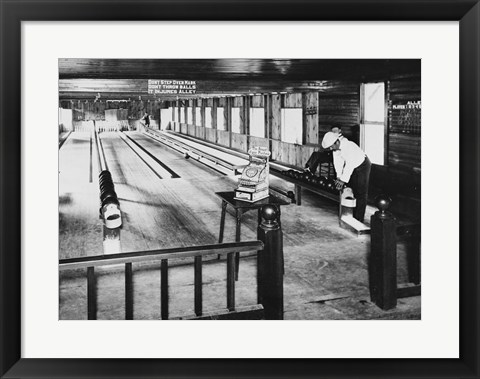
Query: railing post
91 294
128 291
413 257
383 256
270 264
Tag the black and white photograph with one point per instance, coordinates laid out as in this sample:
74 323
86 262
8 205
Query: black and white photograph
303 175
239 189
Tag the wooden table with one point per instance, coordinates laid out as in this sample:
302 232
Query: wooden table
242 207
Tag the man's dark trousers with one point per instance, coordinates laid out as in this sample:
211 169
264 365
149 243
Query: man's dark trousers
359 184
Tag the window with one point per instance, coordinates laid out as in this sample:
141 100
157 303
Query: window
291 127
182 115
257 122
236 120
198 116
208 117
65 119
189 115
165 118
372 128
220 119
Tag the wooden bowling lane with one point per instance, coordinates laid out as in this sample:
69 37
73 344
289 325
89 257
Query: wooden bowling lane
160 213
80 229
184 168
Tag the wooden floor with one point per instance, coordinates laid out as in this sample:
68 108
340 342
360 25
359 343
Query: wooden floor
80 227
325 265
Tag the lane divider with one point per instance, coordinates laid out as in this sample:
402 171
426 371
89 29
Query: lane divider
172 173
188 153
90 173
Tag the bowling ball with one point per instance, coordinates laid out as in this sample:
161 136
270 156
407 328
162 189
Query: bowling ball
331 186
110 200
105 186
102 178
295 174
291 196
321 181
105 181
105 173
290 173
106 194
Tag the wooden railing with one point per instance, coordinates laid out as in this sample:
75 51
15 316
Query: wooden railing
269 271
385 235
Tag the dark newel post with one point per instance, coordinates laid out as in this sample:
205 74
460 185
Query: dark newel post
413 257
383 256
270 264
91 294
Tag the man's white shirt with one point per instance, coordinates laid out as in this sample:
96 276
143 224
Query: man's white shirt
347 159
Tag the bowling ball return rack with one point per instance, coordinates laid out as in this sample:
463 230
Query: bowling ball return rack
346 221
299 184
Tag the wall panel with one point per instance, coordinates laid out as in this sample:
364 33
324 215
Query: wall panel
223 138
310 111
275 117
191 130
239 142
292 100
211 135
257 141
200 132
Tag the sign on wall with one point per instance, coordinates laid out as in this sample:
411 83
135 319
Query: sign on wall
406 117
409 105
171 87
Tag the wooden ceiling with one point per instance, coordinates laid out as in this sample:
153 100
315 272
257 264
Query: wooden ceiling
128 78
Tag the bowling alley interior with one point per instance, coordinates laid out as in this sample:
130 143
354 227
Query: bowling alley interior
239 189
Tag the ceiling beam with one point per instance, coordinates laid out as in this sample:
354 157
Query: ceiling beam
230 69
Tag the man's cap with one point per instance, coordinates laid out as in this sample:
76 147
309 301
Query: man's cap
329 139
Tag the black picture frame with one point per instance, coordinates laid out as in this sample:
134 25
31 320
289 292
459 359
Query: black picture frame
12 365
